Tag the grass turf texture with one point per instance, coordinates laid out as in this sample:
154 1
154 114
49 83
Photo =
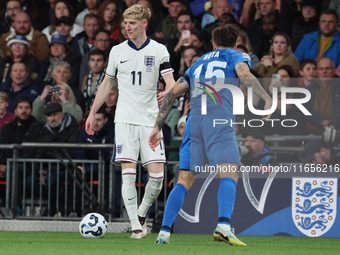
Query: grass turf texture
73 243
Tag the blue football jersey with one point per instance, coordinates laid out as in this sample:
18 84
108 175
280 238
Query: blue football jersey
213 68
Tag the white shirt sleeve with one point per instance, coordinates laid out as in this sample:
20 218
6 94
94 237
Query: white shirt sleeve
111 66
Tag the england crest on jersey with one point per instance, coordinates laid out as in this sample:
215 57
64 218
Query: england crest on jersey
314 203
149 61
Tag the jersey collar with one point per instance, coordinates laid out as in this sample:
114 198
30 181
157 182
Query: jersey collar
133 46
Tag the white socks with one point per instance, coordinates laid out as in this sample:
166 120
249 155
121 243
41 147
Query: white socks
129 195
152 190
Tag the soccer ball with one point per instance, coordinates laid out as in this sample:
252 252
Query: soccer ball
93 225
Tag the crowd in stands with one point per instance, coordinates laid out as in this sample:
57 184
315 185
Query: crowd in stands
55 52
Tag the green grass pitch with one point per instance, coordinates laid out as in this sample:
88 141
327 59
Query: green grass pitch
73 243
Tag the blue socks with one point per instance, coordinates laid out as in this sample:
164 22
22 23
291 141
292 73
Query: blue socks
226 200
173 206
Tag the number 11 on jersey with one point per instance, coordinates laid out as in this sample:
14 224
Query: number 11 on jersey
139 74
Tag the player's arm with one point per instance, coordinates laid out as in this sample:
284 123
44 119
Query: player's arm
249 80
178 89
169 83
102 93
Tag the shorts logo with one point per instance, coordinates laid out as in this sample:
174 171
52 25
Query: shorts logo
119 149
314 203
149 61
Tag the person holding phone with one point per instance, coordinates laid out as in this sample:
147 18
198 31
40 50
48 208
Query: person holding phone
280 54
185 23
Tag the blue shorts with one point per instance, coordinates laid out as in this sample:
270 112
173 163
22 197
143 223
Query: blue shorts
202 143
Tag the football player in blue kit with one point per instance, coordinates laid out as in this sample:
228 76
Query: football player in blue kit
216 143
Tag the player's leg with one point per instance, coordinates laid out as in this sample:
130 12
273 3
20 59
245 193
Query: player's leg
152 190
226 200
126 151
154 161
174 203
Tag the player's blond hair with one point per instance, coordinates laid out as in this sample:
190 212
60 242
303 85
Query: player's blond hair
138 12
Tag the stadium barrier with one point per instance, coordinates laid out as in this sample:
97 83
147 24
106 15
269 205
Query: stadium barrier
74 197
101 194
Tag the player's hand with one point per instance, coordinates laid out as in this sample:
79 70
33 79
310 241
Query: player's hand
155 138
89 125
161 96
267 106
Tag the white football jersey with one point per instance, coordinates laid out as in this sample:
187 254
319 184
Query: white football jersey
137 72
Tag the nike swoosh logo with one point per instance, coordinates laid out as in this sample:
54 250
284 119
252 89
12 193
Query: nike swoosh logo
131 198
162 154
123 61
153 195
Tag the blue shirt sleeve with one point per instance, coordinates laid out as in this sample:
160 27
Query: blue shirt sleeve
242 57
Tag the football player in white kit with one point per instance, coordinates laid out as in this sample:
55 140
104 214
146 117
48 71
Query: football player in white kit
136 64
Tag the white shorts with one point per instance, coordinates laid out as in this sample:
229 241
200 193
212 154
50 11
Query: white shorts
132 140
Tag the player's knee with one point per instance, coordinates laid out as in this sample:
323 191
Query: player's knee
129 176
156 180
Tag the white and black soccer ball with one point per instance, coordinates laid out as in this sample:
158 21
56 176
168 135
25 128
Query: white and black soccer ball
93 225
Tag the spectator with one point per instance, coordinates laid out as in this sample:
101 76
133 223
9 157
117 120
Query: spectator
92 7
13 7
60 128
335 5
307 23
5 116
317 152
185 22
262 41
261 154
24 128
154 21
280 54
218 8
324 43
109 17
197 40
324 104
307 72
287 76
102 42
255 26
97 63
47 14
23 26
18 52
123 36
62 8
103 128
65 98
19 84
91 26
297 127
31 8
243 39
59 50
291 11
169 27
64 27
186 57
111 101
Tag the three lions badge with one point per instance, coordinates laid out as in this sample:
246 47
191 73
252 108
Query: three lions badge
314 203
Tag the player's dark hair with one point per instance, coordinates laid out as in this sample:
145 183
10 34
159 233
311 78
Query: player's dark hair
22 99
225 36
306 61
97 52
